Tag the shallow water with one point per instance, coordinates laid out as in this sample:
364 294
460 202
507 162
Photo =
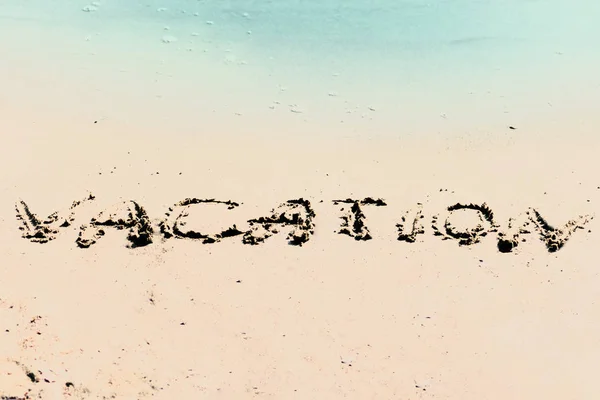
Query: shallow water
372 65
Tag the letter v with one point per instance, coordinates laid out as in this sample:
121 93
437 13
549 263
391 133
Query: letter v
44 231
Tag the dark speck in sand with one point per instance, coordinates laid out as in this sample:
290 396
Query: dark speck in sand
32 377
512 127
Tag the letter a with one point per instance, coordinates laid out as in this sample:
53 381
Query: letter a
296 214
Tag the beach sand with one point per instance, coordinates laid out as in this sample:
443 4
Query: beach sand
354 299
335 317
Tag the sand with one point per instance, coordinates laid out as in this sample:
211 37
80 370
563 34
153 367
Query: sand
201 228
339 280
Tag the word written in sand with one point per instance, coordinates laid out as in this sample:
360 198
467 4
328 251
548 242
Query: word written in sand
296 217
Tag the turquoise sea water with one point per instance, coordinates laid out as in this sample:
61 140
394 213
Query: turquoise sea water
468 59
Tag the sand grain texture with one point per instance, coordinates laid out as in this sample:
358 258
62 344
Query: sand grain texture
401 315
